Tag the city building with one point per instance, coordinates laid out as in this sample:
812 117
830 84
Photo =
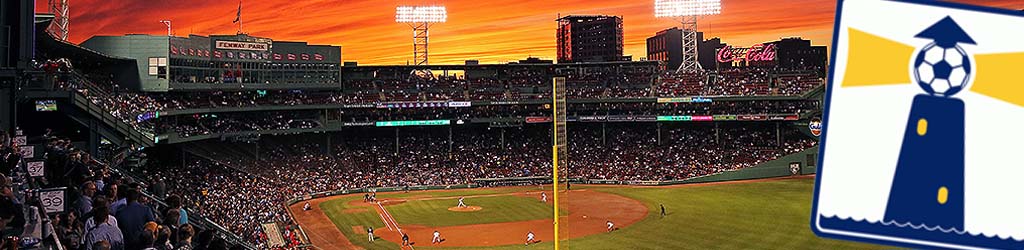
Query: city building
590 38
666 46
707 51
797 53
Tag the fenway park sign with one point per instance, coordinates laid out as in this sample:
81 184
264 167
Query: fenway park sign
756 53
241 45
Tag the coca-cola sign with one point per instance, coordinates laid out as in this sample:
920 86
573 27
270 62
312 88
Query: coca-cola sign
758 52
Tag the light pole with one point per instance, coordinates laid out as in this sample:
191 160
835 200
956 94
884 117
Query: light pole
420 18
168 23
687 12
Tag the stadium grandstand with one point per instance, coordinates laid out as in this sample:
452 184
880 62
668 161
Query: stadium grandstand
195 132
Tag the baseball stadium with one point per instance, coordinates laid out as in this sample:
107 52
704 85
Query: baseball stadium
222 139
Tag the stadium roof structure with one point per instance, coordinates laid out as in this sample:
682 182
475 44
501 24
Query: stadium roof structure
58 48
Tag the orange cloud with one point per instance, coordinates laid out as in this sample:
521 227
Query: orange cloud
490 31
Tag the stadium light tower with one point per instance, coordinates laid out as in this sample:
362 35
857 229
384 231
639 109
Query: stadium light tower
59 28
687 12
168 23
420 18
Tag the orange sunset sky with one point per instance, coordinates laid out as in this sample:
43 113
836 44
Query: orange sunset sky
491 31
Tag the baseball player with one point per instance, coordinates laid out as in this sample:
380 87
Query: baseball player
611 226
461 204
662 210
543 197
437 238
307 206
405 240
529 238
369 231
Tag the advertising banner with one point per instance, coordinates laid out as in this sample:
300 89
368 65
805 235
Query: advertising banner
454 104
413 123
538 119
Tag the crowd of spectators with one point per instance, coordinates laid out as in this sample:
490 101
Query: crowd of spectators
609 82
202 124
140 109
511 84
104 209
591 83
236 200
241 191
738 82
686 152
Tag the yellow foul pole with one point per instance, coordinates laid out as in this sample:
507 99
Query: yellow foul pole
554 188
554 153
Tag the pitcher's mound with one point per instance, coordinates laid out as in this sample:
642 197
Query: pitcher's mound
465 209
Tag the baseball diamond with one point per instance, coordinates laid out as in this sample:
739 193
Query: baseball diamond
700 216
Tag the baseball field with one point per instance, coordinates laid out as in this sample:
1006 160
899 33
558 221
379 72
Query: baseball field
760 214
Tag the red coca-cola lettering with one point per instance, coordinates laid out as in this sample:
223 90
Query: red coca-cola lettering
758 52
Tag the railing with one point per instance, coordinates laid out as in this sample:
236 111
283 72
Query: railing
144 138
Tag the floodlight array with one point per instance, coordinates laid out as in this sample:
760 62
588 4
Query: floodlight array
680 8
421 14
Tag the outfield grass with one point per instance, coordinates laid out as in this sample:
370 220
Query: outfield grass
496 209
761 215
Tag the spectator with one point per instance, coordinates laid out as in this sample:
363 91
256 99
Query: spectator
163 239
117 196
99 201
174 202
185 233
147 238
134 216
171 225
103 230
85 200
69 230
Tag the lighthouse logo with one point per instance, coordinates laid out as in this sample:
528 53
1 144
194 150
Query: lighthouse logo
913 150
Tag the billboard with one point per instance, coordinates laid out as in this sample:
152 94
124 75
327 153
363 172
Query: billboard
413 123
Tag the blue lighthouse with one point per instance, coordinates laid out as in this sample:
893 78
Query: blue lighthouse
928 185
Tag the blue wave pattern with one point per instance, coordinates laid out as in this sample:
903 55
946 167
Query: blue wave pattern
920 232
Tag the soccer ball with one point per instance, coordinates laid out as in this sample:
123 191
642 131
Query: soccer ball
942 71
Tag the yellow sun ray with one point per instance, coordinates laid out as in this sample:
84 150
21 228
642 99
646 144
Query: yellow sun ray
873 60
998 76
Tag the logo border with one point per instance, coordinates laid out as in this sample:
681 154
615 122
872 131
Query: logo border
898 241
